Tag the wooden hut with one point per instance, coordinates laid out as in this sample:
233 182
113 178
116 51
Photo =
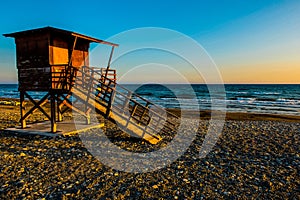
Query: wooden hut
47 59
52 60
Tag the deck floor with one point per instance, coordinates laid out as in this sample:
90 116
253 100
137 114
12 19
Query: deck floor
63 128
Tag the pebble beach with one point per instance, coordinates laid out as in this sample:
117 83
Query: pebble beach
256 157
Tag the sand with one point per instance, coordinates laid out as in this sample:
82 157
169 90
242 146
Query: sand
257 156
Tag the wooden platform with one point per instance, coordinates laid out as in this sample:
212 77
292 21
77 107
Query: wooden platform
63 128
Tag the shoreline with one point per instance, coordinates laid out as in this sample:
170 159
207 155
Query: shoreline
11 114
240 116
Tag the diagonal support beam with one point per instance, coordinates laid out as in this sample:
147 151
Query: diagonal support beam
62 102
22 109
37 105
71 55
69 105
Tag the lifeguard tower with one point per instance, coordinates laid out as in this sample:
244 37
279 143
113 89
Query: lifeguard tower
52 60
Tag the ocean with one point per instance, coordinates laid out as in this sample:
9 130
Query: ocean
254 98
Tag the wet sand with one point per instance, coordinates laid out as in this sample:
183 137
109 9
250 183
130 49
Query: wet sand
257 156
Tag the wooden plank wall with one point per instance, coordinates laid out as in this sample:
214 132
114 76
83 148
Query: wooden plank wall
38 53
80 54
33 62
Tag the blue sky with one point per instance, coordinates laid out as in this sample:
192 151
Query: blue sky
250 41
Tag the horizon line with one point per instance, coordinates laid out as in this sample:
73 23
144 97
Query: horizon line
8 83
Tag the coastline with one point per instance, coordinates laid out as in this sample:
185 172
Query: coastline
241 116
11 114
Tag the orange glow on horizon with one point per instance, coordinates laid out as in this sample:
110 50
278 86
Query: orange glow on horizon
276 73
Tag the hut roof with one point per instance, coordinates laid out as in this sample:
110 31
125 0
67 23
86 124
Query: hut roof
50 29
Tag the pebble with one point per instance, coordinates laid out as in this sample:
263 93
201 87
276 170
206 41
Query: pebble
250 160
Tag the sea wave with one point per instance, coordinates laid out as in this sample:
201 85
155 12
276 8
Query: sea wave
283 99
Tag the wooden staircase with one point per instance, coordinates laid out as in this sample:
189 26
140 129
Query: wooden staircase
97 89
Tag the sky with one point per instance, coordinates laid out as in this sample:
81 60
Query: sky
250 41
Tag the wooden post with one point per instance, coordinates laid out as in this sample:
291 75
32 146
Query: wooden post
22 109
110 57
88 116
59 114
109 61
144 112
126 102
71 54
90 90
53 121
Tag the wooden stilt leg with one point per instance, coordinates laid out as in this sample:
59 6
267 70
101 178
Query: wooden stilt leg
53 121
110 103
22 110
59 114
87 113
88 117
88 120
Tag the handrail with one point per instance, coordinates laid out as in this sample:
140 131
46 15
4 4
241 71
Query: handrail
63 78
140 109
136 95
